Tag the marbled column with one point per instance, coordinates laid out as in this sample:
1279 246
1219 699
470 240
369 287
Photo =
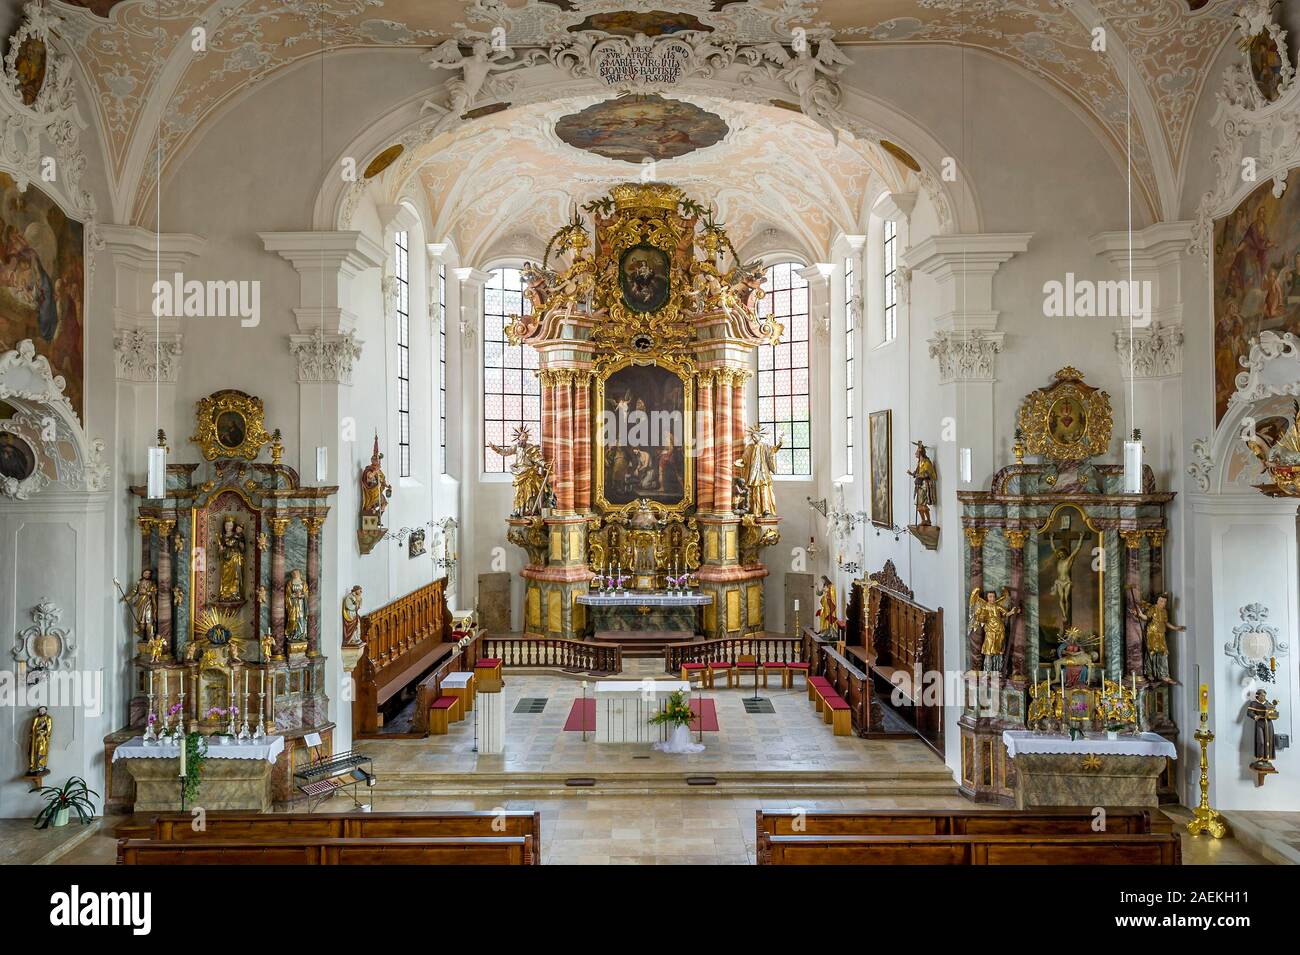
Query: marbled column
313 524
723 462
582 442
1157 560
146 534
547 438
278 526
165 528
975 540
1132 626
738 411
564 436
704 443
1017 539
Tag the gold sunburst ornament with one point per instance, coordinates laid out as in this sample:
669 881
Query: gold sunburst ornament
218 634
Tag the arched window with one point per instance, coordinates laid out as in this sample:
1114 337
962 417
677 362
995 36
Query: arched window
850 342
402 268
442 367
783 370
512 394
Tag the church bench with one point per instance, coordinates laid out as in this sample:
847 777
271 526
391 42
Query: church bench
1090 849
836 712
461 850
442 712
267 827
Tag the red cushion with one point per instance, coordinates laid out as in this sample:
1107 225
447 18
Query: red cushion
797 666
746 666
693 666
720 666
819 681
773 663
488 662
445 702
835 703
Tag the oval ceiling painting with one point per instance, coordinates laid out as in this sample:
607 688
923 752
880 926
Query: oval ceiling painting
636 128
653 23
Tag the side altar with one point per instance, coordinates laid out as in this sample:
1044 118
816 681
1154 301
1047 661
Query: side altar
646 472
225 611
1069 627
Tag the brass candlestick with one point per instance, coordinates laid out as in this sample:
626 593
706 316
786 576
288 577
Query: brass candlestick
1204 818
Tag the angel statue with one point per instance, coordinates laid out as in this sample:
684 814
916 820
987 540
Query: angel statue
1155 618
531 472
990 614
476 71
812 77
756 467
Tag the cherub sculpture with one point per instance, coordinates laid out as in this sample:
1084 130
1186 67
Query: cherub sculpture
476 71
812 77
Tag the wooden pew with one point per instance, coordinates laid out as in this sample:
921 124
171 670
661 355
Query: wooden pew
270 827
408 643
463 850
1092 849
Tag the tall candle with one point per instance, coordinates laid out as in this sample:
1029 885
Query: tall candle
796 605
245 683
1205 698
183 742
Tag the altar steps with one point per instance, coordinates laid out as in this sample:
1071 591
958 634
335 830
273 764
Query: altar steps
642 644
921 781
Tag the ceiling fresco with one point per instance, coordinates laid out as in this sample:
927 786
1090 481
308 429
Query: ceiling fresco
1169 45
639 128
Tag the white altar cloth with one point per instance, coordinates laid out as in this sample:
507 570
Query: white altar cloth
624 708
1143 744
268 749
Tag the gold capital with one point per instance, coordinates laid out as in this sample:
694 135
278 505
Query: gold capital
279 525
975 536
1132 539
1017 538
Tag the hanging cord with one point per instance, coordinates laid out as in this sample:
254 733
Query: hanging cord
320 324
157 203
1128 175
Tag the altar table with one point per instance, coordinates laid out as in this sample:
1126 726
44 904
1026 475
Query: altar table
624 708
1090 771
634 610
234 775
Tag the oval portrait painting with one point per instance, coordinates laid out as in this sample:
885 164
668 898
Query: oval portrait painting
231 429
17 459
643 276
1067 421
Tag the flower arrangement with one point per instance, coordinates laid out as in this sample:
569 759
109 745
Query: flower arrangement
677 712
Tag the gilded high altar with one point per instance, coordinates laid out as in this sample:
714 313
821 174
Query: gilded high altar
646 331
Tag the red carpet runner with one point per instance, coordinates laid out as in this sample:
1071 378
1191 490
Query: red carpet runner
578 716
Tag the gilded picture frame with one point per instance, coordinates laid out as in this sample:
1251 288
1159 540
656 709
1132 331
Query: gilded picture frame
1068 422
230 424
609 501
880 497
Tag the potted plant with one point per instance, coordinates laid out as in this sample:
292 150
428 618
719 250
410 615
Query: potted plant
678 714
61 800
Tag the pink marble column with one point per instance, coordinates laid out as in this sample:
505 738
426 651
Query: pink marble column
704 443
278 526
547 438
313 524
564 436
582 442
165 529
724 460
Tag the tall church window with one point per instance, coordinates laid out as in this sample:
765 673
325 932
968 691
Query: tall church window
783 370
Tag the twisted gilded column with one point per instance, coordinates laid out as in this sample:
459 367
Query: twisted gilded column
278 526
313 524
704 442
1017 539
724 459
975 541
582 441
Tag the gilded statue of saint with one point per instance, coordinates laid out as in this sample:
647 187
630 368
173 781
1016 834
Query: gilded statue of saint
989 614
231 546
295 607
923 480
1155 617
375 489
142 598
826 606
756 467
39 753
532 475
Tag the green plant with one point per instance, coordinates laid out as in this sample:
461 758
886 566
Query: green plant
74 794
196 748
678 712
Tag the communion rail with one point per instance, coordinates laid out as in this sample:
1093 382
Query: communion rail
554 652
762 647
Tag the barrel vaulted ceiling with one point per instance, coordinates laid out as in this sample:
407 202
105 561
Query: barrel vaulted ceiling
136 56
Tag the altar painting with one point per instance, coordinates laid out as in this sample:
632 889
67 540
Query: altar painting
1069 590
642 436
42 261
1256 280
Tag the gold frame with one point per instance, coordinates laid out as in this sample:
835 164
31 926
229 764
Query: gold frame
1101 577
889 468
1035 415
685 370
208 410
